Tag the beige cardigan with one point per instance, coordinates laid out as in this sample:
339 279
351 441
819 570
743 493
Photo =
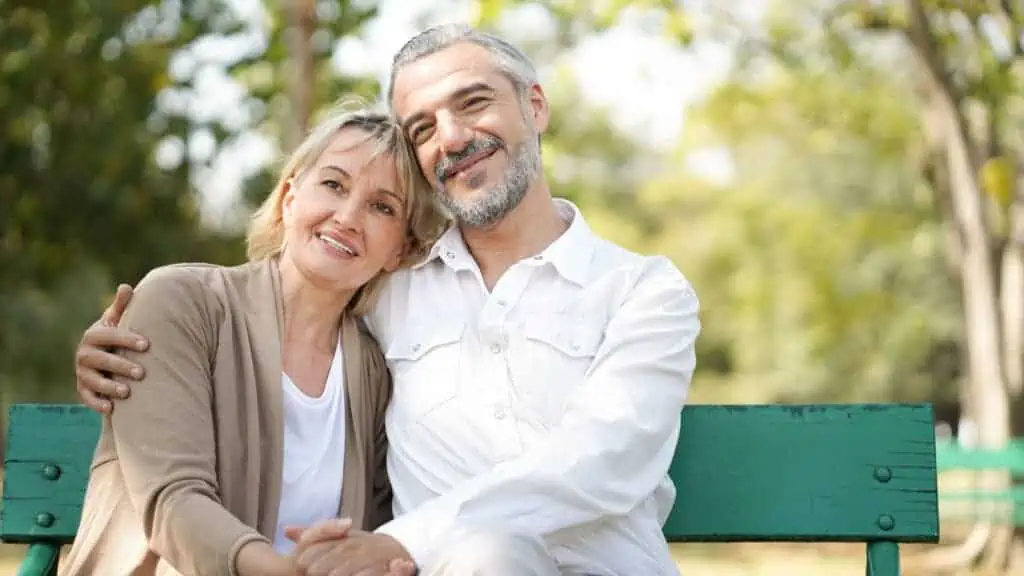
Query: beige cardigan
188 469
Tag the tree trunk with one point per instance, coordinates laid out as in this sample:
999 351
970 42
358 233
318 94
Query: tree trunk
986 392
301 25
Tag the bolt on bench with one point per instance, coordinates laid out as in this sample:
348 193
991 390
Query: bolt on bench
813 473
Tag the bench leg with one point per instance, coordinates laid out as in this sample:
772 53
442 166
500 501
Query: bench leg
883 559
40 560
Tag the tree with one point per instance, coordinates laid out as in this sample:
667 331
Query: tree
83 195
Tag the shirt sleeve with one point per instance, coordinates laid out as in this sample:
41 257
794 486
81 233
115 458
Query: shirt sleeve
164 432
615 442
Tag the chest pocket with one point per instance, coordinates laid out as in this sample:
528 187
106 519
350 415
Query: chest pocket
425 363
552 359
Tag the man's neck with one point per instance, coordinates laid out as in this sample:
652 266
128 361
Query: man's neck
526 231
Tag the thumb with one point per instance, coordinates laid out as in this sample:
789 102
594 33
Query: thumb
327 530
112 315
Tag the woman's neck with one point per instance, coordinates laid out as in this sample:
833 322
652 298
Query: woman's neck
311 314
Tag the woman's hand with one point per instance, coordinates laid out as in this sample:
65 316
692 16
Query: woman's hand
332 548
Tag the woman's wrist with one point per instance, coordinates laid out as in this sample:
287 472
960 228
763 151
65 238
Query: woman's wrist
257 558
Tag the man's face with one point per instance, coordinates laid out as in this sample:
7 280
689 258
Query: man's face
476 138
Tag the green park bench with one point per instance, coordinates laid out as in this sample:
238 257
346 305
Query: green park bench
828 473
974 503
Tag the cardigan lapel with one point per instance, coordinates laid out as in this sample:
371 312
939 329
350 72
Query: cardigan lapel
353 489
266 315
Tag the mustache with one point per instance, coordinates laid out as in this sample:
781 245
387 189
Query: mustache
445 165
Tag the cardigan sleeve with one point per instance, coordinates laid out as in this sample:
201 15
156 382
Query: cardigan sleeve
164 433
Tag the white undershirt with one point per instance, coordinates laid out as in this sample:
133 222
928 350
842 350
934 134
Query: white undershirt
314 453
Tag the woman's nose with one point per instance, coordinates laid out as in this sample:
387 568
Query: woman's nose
351 211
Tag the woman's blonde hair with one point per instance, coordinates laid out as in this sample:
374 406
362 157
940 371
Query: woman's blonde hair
424 218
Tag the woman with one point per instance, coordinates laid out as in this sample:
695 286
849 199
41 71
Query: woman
268 401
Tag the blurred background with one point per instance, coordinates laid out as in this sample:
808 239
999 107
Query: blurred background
838 178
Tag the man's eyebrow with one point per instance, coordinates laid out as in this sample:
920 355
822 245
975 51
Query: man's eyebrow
458 94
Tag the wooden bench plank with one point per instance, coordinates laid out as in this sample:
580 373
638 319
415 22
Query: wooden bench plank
808 473
46 470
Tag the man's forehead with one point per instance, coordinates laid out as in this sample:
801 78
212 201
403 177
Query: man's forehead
436 77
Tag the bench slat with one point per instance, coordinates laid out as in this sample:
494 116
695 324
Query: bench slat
809 473
46 470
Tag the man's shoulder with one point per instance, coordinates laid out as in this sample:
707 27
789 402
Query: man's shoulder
611 259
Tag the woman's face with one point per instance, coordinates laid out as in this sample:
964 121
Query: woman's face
344 216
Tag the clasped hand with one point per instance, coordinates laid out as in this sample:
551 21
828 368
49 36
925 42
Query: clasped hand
334 548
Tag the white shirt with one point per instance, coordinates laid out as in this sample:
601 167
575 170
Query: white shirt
550 405
314 453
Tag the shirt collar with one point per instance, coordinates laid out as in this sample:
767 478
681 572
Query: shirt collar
569 254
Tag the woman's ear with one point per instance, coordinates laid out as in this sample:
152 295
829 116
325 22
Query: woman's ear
287 198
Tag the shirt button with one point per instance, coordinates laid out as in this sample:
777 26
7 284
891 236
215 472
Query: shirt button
502 302
499 413
496 348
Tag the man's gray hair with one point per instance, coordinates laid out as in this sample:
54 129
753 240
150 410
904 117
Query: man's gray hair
511 61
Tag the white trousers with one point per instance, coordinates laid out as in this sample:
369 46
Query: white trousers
489 552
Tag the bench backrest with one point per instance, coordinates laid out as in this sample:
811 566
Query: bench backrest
808 473
743 473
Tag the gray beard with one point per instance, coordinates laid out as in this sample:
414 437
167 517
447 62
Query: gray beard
502 198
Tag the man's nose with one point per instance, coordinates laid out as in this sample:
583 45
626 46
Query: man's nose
454 136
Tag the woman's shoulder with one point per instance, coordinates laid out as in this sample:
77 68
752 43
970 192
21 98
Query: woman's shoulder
198 278
180 279
196 287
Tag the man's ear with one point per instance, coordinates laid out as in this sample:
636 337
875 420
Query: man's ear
539 110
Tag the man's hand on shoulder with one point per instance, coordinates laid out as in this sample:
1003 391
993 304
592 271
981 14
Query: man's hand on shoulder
333 548
97 362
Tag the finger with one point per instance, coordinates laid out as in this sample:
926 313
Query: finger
310 558
401 567
94 401
376 570
294 533
326 530
91 382
100 335
112 315
113 365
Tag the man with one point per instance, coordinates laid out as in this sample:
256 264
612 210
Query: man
539 370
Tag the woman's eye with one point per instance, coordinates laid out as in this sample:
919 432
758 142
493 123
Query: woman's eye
384 208
332 184
420 134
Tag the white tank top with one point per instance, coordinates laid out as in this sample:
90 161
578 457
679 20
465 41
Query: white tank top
314 453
